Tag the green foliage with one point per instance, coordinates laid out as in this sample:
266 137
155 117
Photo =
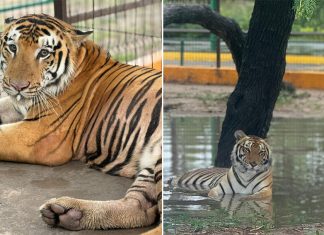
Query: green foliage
305 8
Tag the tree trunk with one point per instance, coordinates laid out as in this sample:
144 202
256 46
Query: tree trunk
259 57
250 106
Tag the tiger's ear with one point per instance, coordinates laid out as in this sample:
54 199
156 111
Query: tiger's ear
239 134
81 35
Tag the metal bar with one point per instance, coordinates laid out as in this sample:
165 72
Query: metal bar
20 6
182 53
110 10
175 30
60 9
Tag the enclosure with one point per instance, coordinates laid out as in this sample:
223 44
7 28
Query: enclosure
131 31
199 78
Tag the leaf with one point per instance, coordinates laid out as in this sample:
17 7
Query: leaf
305 8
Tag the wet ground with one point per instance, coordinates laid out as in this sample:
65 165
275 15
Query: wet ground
298 184
23 188
198 100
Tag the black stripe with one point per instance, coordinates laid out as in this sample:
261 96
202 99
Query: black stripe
238 178
66 113
256 185
158 93
159 196
92 121
46 31
32 119
98 151
134 121
253 178
111 119
96 112
158 74
111 143
145 194
120 141
220 184
131 149
22 27
155 119
230 184
145 176
138 186
158 176
141 92
150 170
265 186
145 180
158 162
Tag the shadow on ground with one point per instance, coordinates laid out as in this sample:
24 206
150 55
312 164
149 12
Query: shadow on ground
24 188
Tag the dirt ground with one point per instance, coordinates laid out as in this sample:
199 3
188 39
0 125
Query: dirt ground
193 100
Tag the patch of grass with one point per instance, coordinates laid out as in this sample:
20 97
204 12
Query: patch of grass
217 220
286 97
210 98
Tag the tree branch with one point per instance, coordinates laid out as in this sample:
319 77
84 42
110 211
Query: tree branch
225 28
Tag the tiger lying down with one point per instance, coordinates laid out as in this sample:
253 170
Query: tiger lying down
69 100
249 175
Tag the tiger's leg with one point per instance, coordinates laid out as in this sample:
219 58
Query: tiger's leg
8 114
137 209
19 144
261 195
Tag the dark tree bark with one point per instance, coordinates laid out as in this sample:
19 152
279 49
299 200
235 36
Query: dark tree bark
259 59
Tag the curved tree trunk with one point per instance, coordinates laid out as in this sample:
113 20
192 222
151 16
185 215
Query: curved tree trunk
260 62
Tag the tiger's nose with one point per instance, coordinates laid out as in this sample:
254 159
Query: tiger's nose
19 86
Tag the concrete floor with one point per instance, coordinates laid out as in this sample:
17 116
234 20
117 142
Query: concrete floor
24 188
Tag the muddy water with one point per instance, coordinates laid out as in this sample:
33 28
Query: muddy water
298 184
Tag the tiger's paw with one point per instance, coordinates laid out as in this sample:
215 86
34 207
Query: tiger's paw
213 193
63 212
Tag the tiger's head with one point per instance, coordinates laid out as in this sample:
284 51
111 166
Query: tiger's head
250 153
37 58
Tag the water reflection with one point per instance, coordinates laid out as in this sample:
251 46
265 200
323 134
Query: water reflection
298 175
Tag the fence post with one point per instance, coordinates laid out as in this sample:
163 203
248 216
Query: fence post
182 52
60 9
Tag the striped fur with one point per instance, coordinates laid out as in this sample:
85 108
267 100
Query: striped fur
75 102
250 173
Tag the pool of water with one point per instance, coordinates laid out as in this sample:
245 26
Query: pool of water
298 177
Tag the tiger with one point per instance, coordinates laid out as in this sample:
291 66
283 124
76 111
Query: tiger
68 99
249 175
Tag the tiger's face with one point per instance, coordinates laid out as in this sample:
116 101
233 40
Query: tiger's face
250 153
37 58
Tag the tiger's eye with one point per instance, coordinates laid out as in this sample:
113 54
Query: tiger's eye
43 53
13 48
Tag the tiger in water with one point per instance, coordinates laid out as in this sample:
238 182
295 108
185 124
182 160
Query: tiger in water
250 173
68 99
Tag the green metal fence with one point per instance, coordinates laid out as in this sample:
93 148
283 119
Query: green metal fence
130 29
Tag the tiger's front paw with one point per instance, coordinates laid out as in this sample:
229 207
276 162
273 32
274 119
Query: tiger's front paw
64 212
213 193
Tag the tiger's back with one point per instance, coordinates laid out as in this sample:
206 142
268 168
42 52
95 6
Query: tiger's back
122 118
